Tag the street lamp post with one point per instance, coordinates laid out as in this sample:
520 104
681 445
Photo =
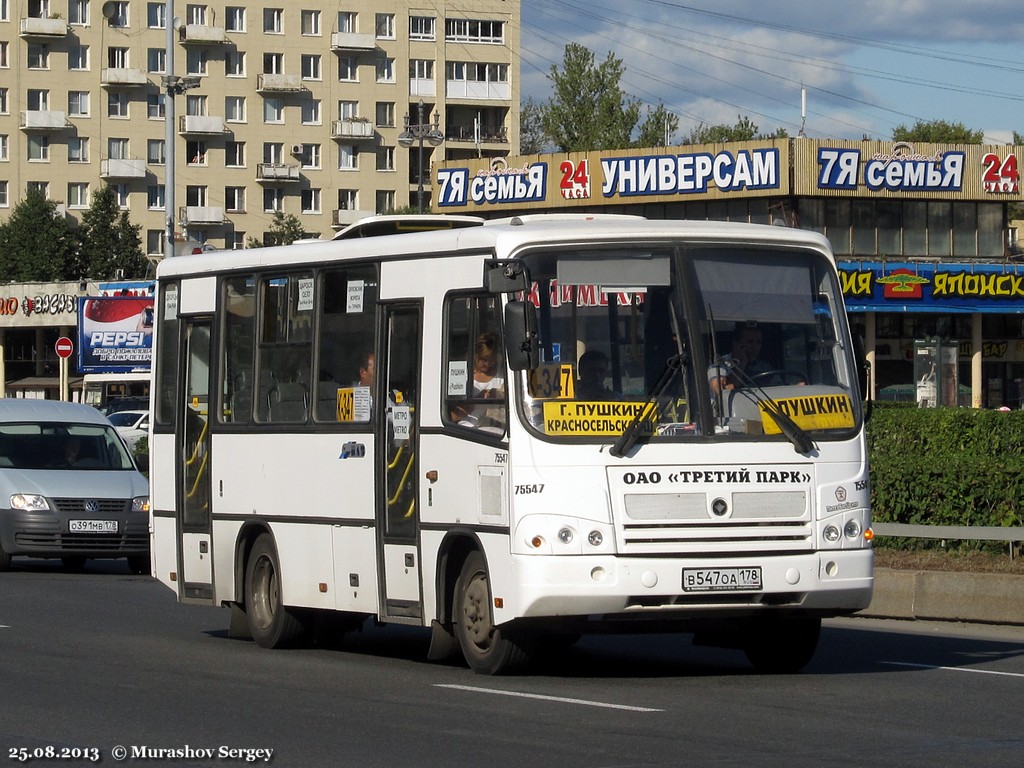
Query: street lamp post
419 133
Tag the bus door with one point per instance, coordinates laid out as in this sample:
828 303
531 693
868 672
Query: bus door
193 455
397 405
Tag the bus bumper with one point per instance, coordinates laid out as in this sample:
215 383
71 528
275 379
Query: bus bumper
826 583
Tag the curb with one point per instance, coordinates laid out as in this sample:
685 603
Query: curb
990 598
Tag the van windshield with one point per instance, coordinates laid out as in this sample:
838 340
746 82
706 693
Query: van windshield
62 446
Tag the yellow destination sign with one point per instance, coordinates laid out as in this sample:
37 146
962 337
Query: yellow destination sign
593 418
811 412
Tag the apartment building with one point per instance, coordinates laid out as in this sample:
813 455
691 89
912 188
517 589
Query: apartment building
321 110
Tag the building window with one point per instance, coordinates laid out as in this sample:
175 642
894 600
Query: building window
4 147
311 201
3 102
348 200
78 12
234 20
234 154
42 187
197 195
273 110
347 69
118 57
196 14
154 241
311 66
4 198
78 57
117 105
421 69
273 63
234 63
197 61
422 28
384 26
117 148
156 197
347 157
385 158
234 109
156 15
78 103
118 11
5 62
237 240
78 149
195 105
273 21
78 194
38 100
311 154
311 23
121 195
156 151
348 110
474 31
347 21
385 199
38 56
273 152
195 151
155 106
311 112
234 199
273 199
156 60
386 70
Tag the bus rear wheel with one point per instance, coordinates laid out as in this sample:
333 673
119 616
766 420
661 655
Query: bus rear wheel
271 624
782 646
489 650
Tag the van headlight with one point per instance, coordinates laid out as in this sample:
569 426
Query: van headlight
140 504
29 502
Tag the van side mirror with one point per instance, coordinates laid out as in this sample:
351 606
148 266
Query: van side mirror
521 335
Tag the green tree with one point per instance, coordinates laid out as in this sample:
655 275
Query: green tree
938 132
744 130
37 244
110 243
588 109
657 128
532 137
285 229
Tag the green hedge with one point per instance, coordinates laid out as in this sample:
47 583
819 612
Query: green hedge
947 466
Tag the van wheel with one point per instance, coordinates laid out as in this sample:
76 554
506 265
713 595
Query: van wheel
782 646
270 623
139 565
489 650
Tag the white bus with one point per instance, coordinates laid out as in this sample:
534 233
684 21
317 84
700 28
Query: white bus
396 427
116 391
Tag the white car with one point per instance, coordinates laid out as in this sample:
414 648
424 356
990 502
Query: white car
131 425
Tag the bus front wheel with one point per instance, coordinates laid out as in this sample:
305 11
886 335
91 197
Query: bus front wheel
489 650
270 623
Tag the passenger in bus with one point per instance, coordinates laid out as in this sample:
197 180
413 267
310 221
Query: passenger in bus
592 369
367 369
744 362
486 381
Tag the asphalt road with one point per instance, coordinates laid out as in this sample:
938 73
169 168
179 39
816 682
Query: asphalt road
103 659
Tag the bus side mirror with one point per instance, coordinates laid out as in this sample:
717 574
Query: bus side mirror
505 276
521 335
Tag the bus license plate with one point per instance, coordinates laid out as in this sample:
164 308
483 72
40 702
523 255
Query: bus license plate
92 526
721 579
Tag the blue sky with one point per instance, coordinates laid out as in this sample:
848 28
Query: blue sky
867 67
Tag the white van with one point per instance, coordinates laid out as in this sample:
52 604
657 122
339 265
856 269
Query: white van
69 487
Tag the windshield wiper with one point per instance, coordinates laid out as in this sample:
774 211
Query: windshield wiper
801 441
631 433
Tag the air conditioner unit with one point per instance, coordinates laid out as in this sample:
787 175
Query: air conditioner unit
298 149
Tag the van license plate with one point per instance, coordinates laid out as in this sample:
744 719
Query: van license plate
721 579
92 526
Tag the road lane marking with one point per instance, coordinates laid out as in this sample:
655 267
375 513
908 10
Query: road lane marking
953 669
562 699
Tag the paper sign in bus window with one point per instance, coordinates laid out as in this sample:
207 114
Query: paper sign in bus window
305 295
354 298
458 377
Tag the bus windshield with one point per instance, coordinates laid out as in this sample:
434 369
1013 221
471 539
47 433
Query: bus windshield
695 341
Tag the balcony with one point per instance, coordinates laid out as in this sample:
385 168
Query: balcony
466 133
277 172
201 215
32 28
351 129
464 89
200 34
352 41
419 86
44 120
201 125
342 217
277 83
122 77
122 168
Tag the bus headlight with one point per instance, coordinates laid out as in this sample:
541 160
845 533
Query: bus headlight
565 535
852 529
29 502
831 533
140 504
596 538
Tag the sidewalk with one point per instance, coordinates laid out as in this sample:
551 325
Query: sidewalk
991 598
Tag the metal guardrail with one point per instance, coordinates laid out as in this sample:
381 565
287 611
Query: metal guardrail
964 532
